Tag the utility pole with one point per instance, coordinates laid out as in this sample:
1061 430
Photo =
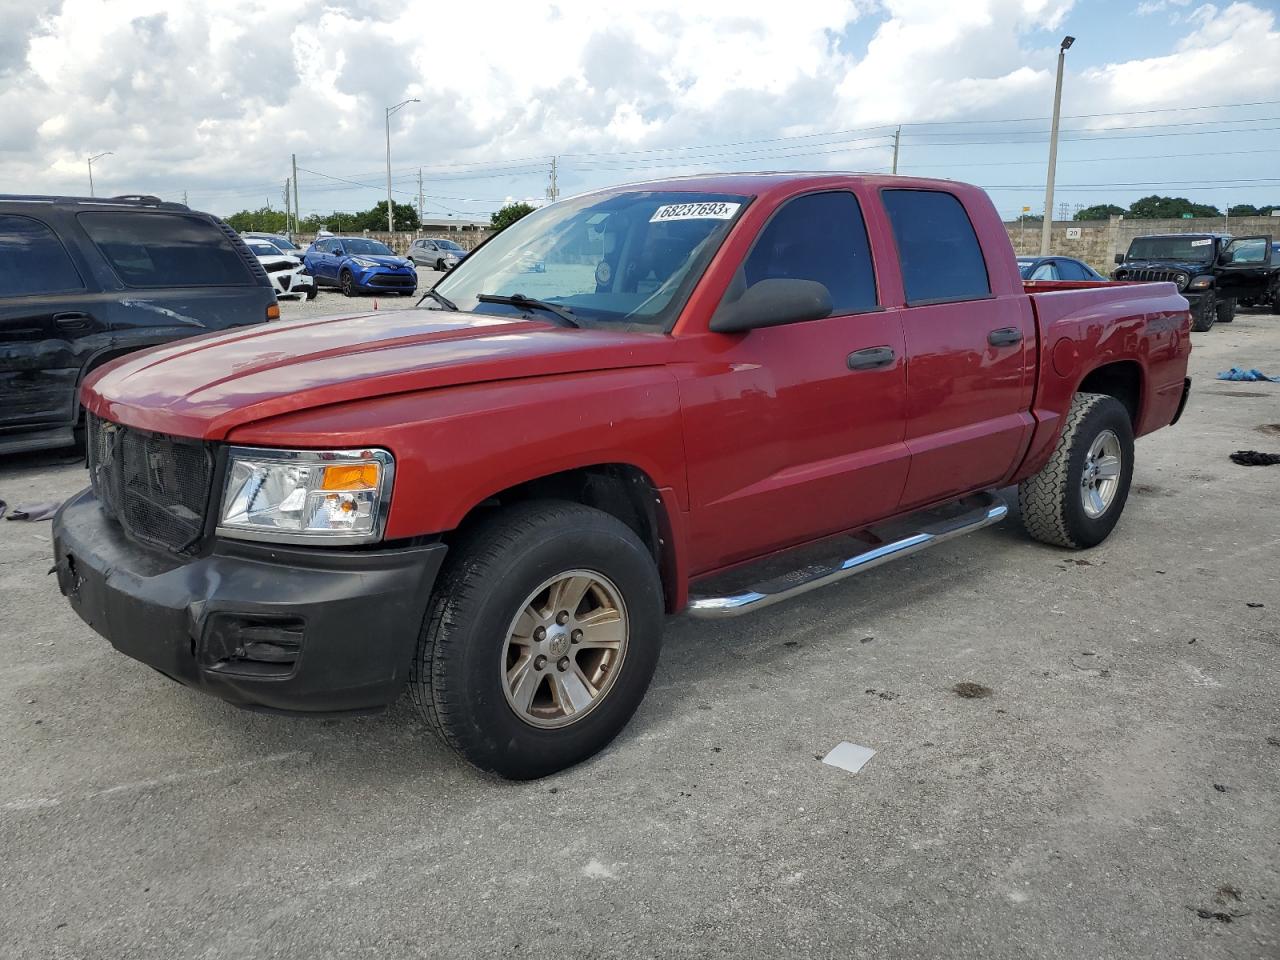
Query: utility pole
286 205
1047 227
553 191
297 211
391 217
897 140
184 198
91 162
419 198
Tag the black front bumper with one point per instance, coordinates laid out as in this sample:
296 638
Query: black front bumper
297 630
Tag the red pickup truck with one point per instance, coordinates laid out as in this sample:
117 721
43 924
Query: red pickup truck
700 395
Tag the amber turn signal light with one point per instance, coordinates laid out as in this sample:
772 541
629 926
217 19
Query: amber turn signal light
273 312
359 476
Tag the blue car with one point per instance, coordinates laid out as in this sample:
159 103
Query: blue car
359 265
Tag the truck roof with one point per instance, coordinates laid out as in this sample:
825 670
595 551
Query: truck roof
1198 233
761 184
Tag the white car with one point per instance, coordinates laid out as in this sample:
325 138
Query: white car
288 275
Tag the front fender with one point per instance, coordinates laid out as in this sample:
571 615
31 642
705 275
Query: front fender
458 446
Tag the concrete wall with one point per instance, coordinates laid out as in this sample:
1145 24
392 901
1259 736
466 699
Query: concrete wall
1100 240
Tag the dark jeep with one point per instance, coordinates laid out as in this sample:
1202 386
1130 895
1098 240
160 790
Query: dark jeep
1212 270
85 280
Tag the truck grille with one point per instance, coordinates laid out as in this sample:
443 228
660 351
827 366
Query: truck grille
1153 276
155 486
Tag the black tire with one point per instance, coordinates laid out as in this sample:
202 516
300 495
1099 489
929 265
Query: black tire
440 265
1226 311
313 291
347 283
456 677
1052 503
1202 321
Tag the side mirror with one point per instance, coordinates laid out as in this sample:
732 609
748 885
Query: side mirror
1119 258
339 252
772 303
1225 257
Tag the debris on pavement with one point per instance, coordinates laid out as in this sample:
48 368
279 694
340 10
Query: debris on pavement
31 511
1251 375
1252 458
848 756
971 691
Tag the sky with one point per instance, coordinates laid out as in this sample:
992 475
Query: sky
210 100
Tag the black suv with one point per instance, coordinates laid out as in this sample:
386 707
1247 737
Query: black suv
84 280
1212 270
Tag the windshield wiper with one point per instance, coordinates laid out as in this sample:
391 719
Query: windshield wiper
520 300
439 298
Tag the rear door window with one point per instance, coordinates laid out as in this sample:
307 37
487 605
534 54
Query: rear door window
166 249
822 237
939 251
1046 271
33 260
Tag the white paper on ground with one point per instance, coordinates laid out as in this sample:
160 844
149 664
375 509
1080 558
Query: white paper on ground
849 756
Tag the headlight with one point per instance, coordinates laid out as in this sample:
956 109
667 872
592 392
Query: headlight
1201 283
362 262
306 496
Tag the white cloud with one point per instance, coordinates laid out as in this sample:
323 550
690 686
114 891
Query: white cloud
213 97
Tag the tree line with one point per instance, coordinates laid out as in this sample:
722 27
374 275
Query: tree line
269 220
1156 207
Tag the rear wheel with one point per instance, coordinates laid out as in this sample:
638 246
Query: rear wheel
348 284
1208 312
1077 497
540 640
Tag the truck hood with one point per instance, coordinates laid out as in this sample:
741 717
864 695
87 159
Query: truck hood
207 386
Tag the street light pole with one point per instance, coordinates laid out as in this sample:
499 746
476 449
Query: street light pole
391 220
91 160
1047 226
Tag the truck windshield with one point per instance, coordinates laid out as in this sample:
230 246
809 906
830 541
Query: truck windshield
622 259
1190 248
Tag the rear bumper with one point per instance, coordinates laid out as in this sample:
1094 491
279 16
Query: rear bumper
297 630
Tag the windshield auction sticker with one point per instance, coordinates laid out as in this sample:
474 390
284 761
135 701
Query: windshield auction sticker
716 210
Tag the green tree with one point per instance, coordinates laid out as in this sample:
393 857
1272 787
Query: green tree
509 215
1100 211
1243 210
264 219
376 219
1169 208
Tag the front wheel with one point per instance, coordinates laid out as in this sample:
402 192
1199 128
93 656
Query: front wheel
1202 320
1077 497
313 291
348 284
1226 311
540 640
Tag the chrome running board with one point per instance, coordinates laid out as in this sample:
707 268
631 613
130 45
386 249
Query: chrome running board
915 533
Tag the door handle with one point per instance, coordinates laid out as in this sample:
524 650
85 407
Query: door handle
871 358
1004 337
71 321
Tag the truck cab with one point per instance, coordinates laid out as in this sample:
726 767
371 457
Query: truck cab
1212 270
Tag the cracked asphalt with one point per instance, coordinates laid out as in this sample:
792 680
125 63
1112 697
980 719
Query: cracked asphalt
1115 795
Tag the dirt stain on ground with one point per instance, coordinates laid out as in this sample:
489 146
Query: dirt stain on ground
1270 429
969 690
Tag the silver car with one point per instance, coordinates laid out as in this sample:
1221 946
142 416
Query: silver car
437 254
